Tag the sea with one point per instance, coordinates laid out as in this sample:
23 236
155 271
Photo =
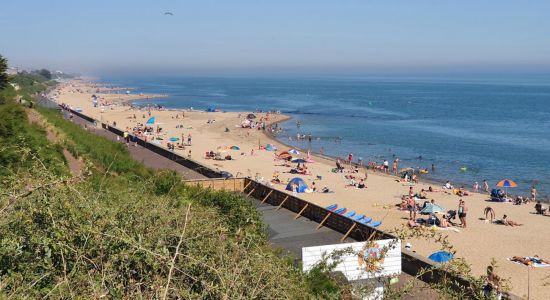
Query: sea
469 128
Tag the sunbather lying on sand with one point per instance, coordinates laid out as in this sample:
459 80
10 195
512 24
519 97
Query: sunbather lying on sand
530 260
508 222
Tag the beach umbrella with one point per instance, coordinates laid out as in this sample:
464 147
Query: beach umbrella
507 183
432 209
235 148
173 139
294 151
284 155
441 256
299 161
151 121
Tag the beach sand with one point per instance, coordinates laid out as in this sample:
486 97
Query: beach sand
478 243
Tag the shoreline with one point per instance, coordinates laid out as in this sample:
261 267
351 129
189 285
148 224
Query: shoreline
431 181
377 201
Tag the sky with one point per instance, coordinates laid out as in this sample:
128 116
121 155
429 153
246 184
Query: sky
256 36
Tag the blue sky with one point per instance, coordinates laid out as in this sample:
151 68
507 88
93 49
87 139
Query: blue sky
310 36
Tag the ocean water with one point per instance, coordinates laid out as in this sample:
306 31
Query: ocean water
495 128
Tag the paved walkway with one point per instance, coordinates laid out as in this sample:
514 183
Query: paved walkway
143 155
285 232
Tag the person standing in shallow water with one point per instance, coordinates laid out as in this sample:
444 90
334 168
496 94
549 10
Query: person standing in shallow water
485 186
534 194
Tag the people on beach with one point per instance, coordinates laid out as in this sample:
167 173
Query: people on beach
489 212
394 167
475 187
411 206
386 166
508 222
533 193
462 211
491 289
485 186
539 209
530 260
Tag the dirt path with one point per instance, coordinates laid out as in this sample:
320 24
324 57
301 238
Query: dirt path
74 164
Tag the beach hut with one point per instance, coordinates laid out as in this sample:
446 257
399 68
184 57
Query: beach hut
300 184
270 147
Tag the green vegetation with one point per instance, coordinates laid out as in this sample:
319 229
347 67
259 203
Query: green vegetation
4 79
121 230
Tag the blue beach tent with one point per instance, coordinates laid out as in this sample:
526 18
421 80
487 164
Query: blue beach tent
299 182
211 109
151 121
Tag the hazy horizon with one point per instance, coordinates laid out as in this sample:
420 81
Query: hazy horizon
309 38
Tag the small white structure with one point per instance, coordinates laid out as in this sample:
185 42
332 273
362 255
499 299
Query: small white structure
362 261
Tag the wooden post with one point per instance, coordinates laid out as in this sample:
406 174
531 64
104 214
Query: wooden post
244 189
265 198
300 213
252 191
324 220
281 205
349 231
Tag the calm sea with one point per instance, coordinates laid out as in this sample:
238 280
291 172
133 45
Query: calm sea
494 128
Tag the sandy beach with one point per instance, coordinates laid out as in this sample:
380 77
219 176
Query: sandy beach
480 242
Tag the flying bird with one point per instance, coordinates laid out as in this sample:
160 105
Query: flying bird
168 13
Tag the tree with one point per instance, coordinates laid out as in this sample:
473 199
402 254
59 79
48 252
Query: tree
45 73
4 79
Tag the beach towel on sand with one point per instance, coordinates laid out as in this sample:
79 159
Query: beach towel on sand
535 265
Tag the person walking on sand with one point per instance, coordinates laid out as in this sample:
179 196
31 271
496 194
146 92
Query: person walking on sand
394 167
485 186
189 139
462 210
386 165
476 187
411 206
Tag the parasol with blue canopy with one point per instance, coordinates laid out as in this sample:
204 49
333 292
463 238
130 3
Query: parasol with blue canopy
151 121
299 161
294 151
432 209
173 139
